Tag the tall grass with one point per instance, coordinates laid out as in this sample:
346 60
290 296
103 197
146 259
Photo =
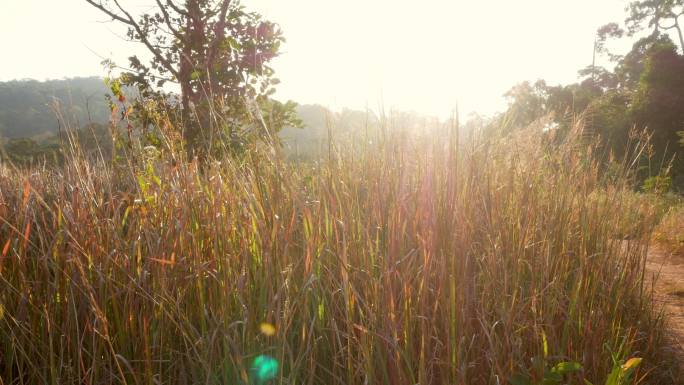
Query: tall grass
670 231
431 260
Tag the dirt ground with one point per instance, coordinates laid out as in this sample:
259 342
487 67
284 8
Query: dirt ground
666 271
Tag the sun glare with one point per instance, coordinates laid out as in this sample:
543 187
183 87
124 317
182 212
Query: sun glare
432 56
429 57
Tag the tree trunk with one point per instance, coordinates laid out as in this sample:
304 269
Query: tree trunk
189 129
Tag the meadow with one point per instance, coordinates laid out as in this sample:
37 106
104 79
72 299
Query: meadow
492 257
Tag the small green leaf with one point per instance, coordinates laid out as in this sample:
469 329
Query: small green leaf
614 377
631 364
567 367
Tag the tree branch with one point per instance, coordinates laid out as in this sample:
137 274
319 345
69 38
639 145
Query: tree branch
666 28
167 18
224 12
679 33
108 12
176 8
220 31
142 35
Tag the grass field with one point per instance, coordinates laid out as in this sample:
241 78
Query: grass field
492 259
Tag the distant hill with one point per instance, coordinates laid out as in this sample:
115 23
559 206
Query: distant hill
29 122
28 108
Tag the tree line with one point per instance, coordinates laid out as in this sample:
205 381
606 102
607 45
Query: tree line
644 89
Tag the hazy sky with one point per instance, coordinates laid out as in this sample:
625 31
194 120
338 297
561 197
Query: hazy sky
427 55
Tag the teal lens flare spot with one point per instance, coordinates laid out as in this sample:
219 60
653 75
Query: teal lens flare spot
264 368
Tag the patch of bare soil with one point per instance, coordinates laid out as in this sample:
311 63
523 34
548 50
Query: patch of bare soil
666 272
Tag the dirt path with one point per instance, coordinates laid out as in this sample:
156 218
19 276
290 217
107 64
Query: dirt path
668 272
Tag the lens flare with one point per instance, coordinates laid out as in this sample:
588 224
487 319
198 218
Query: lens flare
264 368
267 329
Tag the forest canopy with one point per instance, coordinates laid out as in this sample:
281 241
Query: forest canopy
643 90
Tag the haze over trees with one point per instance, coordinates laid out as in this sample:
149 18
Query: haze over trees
29 108
32 114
